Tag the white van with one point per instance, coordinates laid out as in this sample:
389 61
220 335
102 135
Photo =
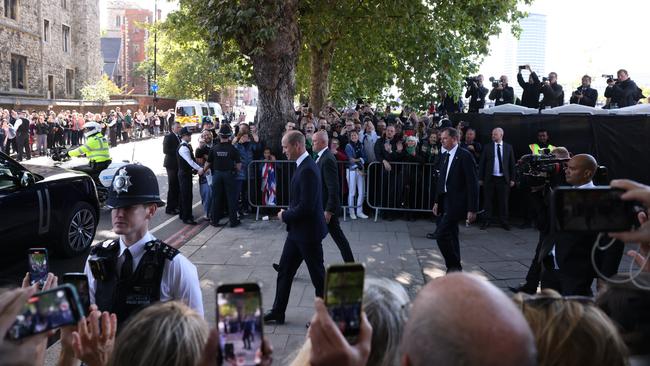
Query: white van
190 113
215 111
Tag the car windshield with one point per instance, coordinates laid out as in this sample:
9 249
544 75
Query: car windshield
185 111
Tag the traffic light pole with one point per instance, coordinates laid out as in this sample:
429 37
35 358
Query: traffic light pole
155 54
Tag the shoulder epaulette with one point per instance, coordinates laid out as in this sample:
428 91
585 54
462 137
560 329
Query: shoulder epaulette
166 250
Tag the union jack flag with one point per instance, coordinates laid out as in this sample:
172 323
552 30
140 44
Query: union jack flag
268 184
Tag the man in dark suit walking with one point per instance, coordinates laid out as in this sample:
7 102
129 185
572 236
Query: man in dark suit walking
331 199
456 197
305 226
496 175
170 147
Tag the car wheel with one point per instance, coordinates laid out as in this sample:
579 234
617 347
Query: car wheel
79 230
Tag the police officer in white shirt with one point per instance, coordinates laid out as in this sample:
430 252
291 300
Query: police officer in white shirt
137 270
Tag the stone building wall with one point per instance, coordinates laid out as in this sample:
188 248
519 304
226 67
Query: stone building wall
46 58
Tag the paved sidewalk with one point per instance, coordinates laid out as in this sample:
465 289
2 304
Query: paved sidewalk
397 250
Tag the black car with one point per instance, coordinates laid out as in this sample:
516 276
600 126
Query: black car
46 207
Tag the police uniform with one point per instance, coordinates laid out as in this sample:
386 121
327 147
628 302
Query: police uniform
186 167
124 279
223 159
537 150
97 152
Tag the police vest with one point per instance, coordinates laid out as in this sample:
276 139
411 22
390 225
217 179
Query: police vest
182 164
124 297
95 149
535 148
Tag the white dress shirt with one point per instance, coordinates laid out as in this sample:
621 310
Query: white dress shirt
452 153
320 153
590 184
184 152
495 168
301 158
180 279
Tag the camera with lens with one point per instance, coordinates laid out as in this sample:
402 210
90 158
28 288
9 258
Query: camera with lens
59 153
609 78
495 82
523 67
471 79
538 170
544 79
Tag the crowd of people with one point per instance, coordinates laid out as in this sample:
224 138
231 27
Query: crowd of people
34 134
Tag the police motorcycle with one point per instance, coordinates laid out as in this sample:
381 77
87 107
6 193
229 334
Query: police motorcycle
102 178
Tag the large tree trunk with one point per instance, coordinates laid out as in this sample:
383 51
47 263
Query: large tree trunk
320 64
275 75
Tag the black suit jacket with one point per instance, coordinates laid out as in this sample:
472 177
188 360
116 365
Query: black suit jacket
170 146
486 163
304 217
330 178
462 185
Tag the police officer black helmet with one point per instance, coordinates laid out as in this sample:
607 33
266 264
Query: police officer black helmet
185 132
133 184
225 131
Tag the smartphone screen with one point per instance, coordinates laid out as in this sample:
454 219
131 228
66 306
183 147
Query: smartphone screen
45 311
599 209
80 283
38 266
344 297
239 317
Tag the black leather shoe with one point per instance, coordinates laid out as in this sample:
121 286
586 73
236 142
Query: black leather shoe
432 236
525 288
235 224
271 317
215 223
485 225
173 212
190 222
505 227
276 267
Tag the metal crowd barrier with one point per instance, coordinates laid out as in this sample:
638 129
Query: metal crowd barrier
409 187
284 170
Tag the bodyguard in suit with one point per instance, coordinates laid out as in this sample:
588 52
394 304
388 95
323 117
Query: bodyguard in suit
331 198
305 226
456 197
496 174
170 147
566 257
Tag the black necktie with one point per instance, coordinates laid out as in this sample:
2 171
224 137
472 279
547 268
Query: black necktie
500 159
443 171
127 266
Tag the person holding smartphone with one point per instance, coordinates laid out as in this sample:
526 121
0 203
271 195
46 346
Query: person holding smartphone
137 270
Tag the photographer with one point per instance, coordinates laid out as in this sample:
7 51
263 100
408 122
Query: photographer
623 91
553 93
530 95
476 93
585 94
566 256
502 93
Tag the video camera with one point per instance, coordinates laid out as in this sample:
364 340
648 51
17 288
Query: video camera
609 78
538 170
544 79
59 153
471 79
495 82
523 67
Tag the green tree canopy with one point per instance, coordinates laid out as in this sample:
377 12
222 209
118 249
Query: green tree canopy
101 91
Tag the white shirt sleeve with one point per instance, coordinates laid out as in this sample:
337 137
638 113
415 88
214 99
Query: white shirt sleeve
185 154
180 281
18 123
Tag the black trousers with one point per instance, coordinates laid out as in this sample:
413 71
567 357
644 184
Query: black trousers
293 254
172 189
224 185
534 274
566 285
447 237
334 228
22 147
185 199
497 188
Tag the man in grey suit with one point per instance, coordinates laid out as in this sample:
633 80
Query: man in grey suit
496 175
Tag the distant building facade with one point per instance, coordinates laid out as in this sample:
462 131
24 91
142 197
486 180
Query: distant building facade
48 48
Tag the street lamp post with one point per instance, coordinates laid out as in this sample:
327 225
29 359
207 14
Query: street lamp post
155 54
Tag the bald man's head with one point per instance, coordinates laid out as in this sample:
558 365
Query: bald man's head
497 135
319 141
580 169
461 319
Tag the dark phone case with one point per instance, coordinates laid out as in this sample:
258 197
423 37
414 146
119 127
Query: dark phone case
344 267
73 278
31 251
73 300
557 214
229 288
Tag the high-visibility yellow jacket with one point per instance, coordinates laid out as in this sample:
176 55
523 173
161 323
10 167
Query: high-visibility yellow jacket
95 149
535 148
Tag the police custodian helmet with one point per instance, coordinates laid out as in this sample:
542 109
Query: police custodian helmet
133 184
225 131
